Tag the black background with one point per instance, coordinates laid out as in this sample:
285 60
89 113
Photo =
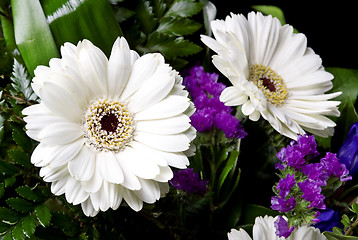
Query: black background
331 27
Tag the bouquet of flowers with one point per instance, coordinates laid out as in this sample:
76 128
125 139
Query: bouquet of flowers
152 118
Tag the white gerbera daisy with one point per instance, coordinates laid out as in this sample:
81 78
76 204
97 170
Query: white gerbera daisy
264 229
273 74
109 128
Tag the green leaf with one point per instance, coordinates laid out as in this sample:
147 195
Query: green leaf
4 228
29 194
231 162
17 232
29 225
43 215
22 82
271 10
75 20
184 8
335 236
22 140
178 26
7 168
9 182
355 208
170 46
20 205
346 81
32 34
20 157
8 216
146 17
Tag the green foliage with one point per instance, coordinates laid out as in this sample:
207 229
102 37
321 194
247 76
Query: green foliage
162 26
22 82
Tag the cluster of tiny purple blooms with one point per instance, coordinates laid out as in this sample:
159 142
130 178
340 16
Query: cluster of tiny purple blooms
301 182
205 90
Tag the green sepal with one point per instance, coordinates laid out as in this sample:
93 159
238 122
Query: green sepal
32 34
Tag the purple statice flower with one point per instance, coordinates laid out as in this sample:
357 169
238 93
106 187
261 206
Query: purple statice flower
314 171
291 157
348 153
332 166
282 228
189 181
210 111
282 205
285 185
307 145
312 193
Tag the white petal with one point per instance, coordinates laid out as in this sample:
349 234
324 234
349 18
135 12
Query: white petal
155 89
59 187
61 133
131 199
170 106
247 108
232 96
95 183
119 67
60 101
238 235
74 192
38 157
169 143
93 64
173 125
68 49
142 70
165 174
130 179
109 167
81 167
50 174
150 191
62 154
88 209
175 159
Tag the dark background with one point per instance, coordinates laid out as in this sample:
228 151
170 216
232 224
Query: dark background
331 27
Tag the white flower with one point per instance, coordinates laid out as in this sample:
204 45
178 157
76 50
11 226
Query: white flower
264 230
109 128
274 74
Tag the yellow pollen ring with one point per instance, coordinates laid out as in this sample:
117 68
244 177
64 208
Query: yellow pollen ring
108 125
270 83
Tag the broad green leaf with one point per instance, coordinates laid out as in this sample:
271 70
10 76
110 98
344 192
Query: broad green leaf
17 232
29 194
170 46
43 215
184 8
22 81
32 34
178 26
20 205
231 162
75 20
271 10
8 32
29 225
346 81
145 15
8 216
355 208
4 228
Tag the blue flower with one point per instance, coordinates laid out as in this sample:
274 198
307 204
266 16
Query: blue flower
348 153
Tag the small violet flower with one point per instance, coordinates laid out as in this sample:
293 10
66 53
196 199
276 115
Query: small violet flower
189 181
210 111
348 153
285 185
282 205
282 228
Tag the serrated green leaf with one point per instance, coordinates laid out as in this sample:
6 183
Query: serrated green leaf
43 215
22 81
7 169
184 8
20 205
178 26
32 34
159 8
271 10
29 225
75 20
7 236
4 228
170 46
20 157
8 216
145 15
22 140
29 194
123 14
17 232
9 182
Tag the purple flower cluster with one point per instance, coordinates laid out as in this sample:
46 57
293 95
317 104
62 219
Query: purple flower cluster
210 112
301 182
189 181
282 228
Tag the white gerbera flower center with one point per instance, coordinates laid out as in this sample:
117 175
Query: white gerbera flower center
108 125
270 83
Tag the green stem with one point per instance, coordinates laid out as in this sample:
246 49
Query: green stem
349 231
